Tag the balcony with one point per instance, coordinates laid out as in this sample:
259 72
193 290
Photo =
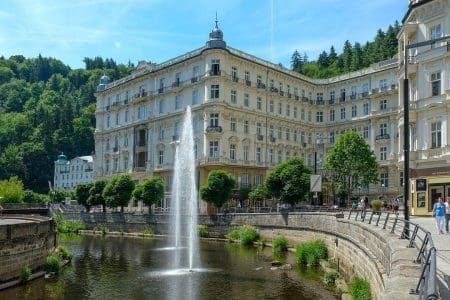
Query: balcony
139 169
260 85
342 98
374 91
272 139
175 137
108 107
248 83
353 97
141 143
365 94
281 93
214 72
160 90
289 95
305 99
297 97
382 137
234 78
176 84
194 79
213 129
320 102
259 137
331 101
116 149
273 89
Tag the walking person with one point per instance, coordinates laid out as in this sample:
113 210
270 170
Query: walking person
447 213
396 205
362 205
439 214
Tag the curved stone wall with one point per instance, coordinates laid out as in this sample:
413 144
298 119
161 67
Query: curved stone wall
24 240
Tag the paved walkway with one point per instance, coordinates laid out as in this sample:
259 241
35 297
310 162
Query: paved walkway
442 244
5 221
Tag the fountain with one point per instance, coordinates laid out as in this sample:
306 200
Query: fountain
184 201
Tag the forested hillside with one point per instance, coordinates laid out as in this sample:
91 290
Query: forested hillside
47 108
353 57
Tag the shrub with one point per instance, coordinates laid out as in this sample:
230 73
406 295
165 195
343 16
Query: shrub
359 289
332 263
25 273
376 204
330 278
64 253
311 253
203 231
103 228
148 231
66 226
280 244
246 234
53 264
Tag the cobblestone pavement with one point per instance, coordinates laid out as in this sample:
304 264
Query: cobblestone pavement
442 244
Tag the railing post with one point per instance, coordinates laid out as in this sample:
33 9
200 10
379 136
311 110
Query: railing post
371 216
395 223
349 214
385 221
357 214
422 249
378 220
413 237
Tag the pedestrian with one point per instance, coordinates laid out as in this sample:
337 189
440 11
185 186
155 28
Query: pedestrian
447 213
439 214
362 205
1 211
396 205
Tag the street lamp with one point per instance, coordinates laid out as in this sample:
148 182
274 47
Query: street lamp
406 145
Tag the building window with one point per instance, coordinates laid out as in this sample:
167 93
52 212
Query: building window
279 133
280 108
302 114
365 89
309 116
141 112
108 121
258 129
214 91
383 129
215 67
366 132
178 102
259 80
383 153
435 32
342 113
176 131
435 84
214 120
288 134
280 157
271 106
196 151
319 98
115 165
234 74
401 178
436 135
244 179
295 112
353 91
332 137
246 126
214 149
259 103
332 115
384 179
383 85
233 124
295 135
161 132
246 100
258 180
233 151
127 115
161 106
366 109
117 119
247 77
161 157
245 150
354 111
258 154
195 73
288 110
271 131
271 156
319 117
194 97
233 98
383 104
342 97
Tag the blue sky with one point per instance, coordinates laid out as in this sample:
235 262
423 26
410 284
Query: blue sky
158 30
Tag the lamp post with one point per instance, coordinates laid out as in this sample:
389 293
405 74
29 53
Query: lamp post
406 145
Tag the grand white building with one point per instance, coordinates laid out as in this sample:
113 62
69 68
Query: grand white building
69 173
250 114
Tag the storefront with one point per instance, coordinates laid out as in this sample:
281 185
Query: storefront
425 192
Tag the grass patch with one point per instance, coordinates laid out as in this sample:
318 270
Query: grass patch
67 226
311 253
53 264
359 289
64 253
280 244
25 273
103 228
330 278
203 231
148 231
246 234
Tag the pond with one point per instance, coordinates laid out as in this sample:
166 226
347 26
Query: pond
135 268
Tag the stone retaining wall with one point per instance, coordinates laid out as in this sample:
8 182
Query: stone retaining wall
361 249
25 244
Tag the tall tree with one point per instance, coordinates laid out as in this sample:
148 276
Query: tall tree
347 54
357 57
296 62
117 191
82 193
218 188
150 191
351 163
96 194
332 57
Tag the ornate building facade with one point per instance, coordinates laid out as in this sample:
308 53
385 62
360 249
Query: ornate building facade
250 114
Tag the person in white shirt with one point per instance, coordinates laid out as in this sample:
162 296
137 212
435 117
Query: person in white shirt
447 213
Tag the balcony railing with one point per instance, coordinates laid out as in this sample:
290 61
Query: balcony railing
214 72
272 139
248 83
331 101
141 143
273 89
234 78
176 83
259 137
214 129
382 137
281 93
353 97
160 90
175 137
297 97
116 149
194 79
260 85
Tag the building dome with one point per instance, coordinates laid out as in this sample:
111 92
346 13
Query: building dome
62 159
216 38
104 80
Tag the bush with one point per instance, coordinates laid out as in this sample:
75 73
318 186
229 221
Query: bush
359 289
53 264
330 278
246 234
376 204
11 190
103 228
66 226
203 231
32 197
25 273
148 231
311 253
64 253
280 244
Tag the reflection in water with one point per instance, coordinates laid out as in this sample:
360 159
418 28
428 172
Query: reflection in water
122 268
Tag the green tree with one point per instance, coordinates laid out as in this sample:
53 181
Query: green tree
289 181
259 193
351 163
11 190
357 57
82 193
150 191
96 194
296 62
218 188
117 191
347 56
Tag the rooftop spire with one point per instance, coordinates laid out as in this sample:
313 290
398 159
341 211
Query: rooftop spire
217 21
216 37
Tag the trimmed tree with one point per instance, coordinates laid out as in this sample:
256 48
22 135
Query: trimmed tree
117 191
289 181
218 188
82 193
150 191
259 193
96 194
351 163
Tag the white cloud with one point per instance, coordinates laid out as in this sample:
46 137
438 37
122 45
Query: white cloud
117 44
